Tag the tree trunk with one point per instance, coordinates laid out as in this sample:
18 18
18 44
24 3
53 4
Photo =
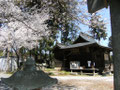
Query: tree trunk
36 54
17 55
30 52
8 59
18 63
115 21
36 57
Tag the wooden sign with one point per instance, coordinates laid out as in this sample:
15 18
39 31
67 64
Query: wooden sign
95 5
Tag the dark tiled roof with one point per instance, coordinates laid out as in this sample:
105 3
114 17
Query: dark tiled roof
89 41
104 47
61 45
74 45
84 38
87 37
81 45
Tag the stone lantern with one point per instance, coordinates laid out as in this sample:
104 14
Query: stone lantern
29 78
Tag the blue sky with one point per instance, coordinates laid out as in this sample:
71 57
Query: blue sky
106 14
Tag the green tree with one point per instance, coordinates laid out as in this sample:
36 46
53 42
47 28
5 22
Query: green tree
66 17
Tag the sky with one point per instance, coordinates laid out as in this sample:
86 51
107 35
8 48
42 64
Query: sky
106 14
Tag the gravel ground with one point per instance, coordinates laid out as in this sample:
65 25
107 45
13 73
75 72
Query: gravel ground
74 83
108 78
85 82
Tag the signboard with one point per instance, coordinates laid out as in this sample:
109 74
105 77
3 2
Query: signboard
95 5
106 56
74 65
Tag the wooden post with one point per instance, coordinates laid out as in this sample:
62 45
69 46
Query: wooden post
81 72
93 71
109 62
64 61
115 22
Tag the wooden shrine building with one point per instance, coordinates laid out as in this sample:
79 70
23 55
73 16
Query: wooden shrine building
84 54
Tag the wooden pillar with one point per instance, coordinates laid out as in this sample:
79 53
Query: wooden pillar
64 62
81 72
93 71
115 22
109 61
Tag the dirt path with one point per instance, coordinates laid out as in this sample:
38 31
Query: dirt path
85 82
77 83
107 78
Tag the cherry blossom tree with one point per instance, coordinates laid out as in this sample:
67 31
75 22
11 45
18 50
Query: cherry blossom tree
23 25
20 28
98 27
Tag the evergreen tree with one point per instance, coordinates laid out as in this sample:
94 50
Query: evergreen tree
66 16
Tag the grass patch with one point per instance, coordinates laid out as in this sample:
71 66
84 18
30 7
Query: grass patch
54 72
51 74
48 69
64 73
10 72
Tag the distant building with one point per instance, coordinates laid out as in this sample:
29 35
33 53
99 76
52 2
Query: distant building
84 54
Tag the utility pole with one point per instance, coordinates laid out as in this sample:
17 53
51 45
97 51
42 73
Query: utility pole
115 25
